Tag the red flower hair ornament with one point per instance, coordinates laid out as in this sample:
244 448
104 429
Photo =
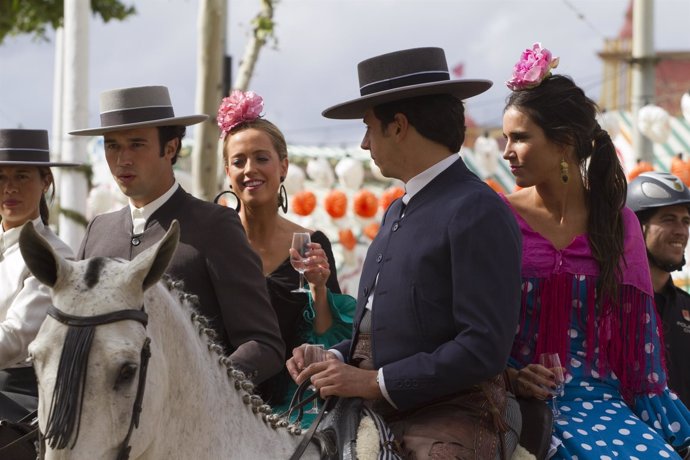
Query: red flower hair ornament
237 108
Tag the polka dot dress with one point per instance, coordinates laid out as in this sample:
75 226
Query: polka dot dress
595 421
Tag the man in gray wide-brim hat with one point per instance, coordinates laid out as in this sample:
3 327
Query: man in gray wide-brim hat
439 293
142 138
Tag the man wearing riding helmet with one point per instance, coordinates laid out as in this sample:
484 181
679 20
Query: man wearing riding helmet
662 204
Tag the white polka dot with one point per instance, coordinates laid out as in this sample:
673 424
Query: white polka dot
634 458
561 422
647 436
517 330
648 347
605 457
610 411
529 286
630 422
564 408
673 395
588 405
586 446
588 388
618 442
568 378
664 454
653 377
576 419
595 374
525 350
607 396
616 405
573 333
582 432
657 425
641 448
577 304
644 415
605 418
575 363
624 431
600 443
675 427
647 318
567 435
599 427
581 277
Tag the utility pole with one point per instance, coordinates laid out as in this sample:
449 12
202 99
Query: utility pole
643 63
209 91
75 114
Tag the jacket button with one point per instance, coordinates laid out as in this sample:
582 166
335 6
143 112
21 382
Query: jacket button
395 227
379 258
136 241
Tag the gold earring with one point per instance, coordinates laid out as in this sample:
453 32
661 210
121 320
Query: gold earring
564 171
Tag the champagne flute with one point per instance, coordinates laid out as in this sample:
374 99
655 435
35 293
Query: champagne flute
314 353
300 244
552 362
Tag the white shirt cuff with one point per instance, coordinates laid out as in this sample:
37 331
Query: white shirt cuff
382 387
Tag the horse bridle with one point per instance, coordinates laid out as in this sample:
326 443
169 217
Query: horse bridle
90 321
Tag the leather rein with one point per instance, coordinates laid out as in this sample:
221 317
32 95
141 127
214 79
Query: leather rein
139 316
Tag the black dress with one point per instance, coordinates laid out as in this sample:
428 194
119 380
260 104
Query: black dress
290 308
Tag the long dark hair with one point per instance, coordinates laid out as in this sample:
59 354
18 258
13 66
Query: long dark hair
44 209
568 117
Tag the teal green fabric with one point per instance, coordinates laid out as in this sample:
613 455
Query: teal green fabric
343 310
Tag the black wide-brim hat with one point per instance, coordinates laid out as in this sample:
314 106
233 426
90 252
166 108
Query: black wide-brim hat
26 147
402 75
138 107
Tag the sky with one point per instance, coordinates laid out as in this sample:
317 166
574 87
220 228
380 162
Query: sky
313 65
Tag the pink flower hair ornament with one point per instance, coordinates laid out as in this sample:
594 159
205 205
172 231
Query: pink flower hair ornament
533 67
237 108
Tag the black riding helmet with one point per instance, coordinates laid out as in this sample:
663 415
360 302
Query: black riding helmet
651 190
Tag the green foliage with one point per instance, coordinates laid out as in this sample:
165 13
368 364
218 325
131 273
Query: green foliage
33 17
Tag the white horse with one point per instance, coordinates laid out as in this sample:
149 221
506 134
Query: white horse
195 405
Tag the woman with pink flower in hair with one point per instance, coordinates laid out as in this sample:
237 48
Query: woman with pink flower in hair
256 163
587 293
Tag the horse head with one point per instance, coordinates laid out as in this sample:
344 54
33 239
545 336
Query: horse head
97 322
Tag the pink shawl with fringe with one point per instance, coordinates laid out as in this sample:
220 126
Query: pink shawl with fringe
616 331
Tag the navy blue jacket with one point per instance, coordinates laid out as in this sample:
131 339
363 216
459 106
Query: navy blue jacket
447 299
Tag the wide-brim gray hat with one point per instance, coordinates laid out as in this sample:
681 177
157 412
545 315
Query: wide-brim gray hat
26 147
139 107
402 75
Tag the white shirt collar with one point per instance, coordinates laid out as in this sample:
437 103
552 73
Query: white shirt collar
10 237
141 215
421 180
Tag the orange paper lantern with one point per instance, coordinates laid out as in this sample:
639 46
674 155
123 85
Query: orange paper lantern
372 230
639 168
681 169
347 239
390 195
303 203
365 204
335 204
495 186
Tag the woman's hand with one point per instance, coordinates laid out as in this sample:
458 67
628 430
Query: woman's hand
533 381
318 269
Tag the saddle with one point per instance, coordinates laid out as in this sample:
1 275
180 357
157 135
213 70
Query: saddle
336 427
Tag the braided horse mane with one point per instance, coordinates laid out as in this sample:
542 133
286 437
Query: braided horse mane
195 403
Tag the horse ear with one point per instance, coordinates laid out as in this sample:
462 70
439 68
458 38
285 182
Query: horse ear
152 263
43 262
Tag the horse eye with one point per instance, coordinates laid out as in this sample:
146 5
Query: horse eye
126 374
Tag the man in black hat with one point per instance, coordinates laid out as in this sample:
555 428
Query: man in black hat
661 202
439 292
142 138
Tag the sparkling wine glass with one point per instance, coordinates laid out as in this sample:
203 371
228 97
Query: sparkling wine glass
314 353
552 362
300 244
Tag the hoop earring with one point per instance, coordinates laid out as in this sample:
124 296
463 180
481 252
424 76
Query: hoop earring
564 171
283 198
237 207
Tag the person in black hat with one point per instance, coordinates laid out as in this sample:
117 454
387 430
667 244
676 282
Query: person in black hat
25 181
142 138
661 202
439 293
